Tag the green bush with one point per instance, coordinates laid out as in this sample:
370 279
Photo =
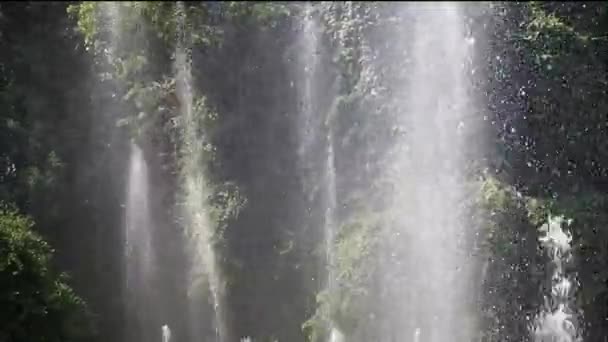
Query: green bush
37 304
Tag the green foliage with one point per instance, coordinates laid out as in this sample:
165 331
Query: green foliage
563 46
265 14
227 202
569 76
37 304
86 19
165 20
345 305
136 47
514 268
52 153
354 246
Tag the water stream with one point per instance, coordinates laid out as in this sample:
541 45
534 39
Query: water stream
430 229
557 321
308 61
140 265
196 192
312 130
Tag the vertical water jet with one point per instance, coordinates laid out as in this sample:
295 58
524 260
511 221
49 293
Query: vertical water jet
308 125
424 250
315 135
142 299
196 192
139 260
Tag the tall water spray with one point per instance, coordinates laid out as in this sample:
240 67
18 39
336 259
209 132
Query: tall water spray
308 60
425 253
196 191
557 321
139 258
312 129
141 296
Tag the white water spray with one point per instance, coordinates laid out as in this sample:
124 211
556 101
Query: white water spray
309 60
330 211
195 187
336 336
138 235
138 222
139 256
557 321
310 127
430 304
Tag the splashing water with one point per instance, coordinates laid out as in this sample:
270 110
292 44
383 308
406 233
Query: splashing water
196 189
336 336
557 322
166 333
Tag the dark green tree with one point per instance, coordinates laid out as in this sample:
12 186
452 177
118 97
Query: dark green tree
37 303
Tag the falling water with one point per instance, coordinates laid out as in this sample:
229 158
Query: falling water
309 60
139 256
556 323
311 127
431 303
142 303
330 227
196 192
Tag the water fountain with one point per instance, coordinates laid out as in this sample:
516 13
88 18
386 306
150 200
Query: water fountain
196 192
139 256
330 227
148 291
308 61
433 301
424 248
312 129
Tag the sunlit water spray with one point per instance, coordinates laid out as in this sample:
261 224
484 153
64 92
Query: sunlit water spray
139 256
308 58
557 321
196 192
330 227
425 254
311 129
